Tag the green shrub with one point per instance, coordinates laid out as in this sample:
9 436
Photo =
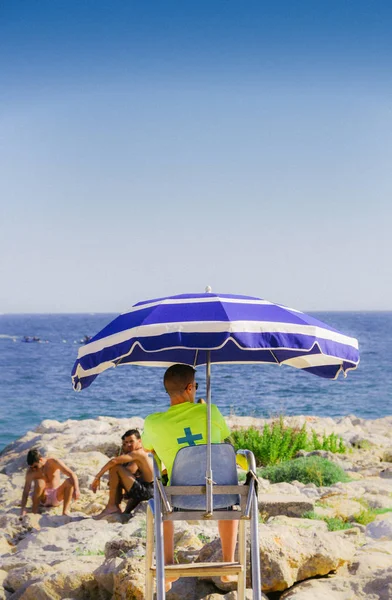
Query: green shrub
366 516
333 523
310 469
278 443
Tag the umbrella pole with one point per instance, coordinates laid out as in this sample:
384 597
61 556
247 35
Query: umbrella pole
209 482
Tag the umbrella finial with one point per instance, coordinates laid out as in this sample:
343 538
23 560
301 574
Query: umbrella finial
208 289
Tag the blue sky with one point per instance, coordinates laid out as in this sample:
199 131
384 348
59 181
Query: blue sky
152 148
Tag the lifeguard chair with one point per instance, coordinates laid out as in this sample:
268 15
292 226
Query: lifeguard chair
193 496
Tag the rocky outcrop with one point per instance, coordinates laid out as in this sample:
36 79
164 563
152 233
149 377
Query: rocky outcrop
48 556
293 549
271 505
368 576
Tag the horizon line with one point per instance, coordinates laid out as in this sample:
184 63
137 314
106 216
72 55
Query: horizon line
340 310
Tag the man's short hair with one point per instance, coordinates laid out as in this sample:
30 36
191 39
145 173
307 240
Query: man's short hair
134 432
33 456
177 377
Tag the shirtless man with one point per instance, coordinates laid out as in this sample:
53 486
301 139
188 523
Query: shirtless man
123 473
48 489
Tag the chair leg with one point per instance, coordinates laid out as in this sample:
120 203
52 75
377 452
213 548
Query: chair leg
159 553
149 554
255 546
241 588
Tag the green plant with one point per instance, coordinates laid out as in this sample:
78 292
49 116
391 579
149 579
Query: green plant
382 511
277 442
362 445
333 523
310 469
263 517
366 516
205 539
80 552
321 504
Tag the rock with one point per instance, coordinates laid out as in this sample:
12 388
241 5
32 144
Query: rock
343 507
377 486
82 536
124 548
5 545
381 528
233 596
284 488
129 582
386 473
72 579
35 551
187 539
263 484
3 592
387 455
322 511
367 576
192 588
292 550
19 577
105 573
310 493
377 501
272 505
369 441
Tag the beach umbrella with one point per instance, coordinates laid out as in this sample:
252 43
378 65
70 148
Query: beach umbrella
201 329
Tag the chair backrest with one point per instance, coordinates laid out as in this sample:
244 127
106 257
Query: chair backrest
189 468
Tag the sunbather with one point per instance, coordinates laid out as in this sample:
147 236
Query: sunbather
48 490
132 471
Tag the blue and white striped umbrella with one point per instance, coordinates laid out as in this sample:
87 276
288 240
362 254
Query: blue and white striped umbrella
231 329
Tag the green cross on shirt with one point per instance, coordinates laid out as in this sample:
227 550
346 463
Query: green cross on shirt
189 437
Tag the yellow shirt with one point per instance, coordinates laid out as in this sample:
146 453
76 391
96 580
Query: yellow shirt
181 425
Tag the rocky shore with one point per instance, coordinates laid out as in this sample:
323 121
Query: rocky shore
50 557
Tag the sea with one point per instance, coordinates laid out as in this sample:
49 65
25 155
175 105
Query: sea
35 377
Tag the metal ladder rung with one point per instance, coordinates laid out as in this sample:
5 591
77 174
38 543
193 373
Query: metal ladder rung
207 569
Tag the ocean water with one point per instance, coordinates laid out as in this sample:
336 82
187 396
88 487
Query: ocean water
35 378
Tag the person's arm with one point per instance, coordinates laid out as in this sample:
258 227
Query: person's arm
69 473
26 491
117 460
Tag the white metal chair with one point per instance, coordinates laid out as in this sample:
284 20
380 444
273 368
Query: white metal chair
185 499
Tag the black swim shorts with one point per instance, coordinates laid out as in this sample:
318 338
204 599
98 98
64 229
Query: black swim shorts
140 491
